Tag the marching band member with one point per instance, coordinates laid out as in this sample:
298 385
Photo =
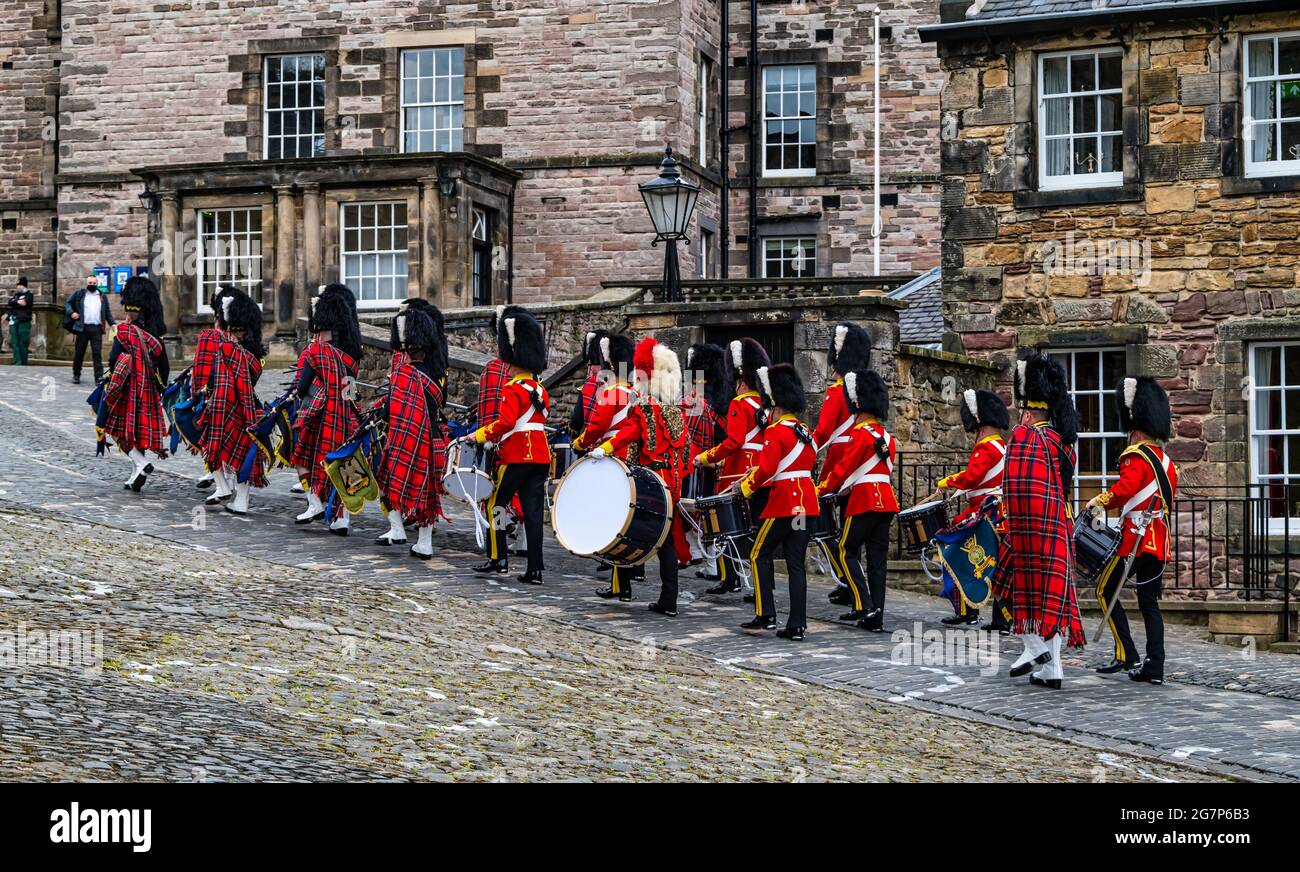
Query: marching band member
439 361
137 369
523 451
491 382
984 414
739 449
408 472
205 350
849 350
1033 568
707 391
614 402
656 426
784 469
863 475
326 419
1147 480
232 405
589 395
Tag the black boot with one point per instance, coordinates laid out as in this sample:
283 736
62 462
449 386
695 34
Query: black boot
723 587
874 621
1116 666
498 566
662 610
624 595
1017 671
1147 673
841 596
768 623
794 634
971 617
1053 683
532 576
854 615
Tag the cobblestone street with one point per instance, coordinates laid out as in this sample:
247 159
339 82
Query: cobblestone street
247 648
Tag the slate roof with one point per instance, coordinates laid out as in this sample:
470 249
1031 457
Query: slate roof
990 16
921 323
1020 8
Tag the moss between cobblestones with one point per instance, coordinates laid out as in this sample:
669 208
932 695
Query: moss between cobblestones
219 667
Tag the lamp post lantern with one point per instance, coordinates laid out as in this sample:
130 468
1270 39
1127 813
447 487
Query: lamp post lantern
670 201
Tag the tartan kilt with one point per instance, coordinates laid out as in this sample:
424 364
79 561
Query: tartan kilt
1035 556
326 419
410 474
134 415
231 408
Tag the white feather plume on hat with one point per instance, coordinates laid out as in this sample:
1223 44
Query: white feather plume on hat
840 333
737 354
765 381
510 330
968 396
401 329
1020 375
851 387
1130 392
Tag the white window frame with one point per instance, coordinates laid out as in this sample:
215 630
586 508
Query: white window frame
480 218
350 280
704 71
1279 167
798 238
456 133
706 253
267 110
253 286
1290 473
1105 394
785 172
1076 180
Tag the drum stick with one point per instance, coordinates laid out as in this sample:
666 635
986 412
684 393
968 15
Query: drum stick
457 406
1143 521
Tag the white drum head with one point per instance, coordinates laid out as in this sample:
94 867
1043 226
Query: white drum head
923 506
592 504
467 485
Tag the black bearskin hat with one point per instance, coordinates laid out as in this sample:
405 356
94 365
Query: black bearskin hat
850 348
707 362
335 310
591 347
436 357
981 408
494 323
241 314
780 385
616 352
218 309
744 357
1041 384
140 298
520 341
1144 405
413 330
866 391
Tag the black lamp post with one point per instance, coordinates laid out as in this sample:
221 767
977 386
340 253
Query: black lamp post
149 200
670 201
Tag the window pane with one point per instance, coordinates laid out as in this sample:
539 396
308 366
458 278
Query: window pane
1085 114
1111 68
1291 140
1263 141
1054 76
1260 53
1056 116
1110 154
1083 73
1058 157
1288 55
1108 112
1087 158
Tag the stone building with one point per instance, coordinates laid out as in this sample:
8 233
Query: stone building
471 153
1121 184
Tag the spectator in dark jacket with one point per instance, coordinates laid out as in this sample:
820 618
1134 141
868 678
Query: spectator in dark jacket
20 321
91 316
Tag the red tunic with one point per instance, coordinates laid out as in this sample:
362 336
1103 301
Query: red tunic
869 475
784 466
518 427
738 451
614 404
326 419
982 477
231 408
1136 479
657 446
833 424
133 403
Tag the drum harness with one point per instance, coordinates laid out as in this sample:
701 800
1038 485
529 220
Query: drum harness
1141 521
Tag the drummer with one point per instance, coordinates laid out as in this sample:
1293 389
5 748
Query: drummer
863 476
590 391
657 429
707 390
523 451
491 384
738 451
615 400
784 470
1144 414
984 414
849 350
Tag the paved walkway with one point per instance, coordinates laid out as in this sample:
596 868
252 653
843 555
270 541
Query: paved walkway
1219 710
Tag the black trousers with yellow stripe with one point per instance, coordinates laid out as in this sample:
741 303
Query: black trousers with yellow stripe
529 481
790 537
623 576
869 531
1148 574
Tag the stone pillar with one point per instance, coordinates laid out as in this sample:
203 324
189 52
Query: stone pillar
172 259
284 290
456 276
312 252
431 242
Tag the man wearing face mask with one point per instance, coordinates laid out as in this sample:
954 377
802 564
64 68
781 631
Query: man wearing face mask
88 315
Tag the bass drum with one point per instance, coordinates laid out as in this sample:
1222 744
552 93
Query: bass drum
605 509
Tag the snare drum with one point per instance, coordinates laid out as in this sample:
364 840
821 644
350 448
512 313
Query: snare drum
1094 548
723 516
604 508
467 477
920 523
826 526
563 456
700 483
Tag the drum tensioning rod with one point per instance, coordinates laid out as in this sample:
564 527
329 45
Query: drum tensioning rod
1140 524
